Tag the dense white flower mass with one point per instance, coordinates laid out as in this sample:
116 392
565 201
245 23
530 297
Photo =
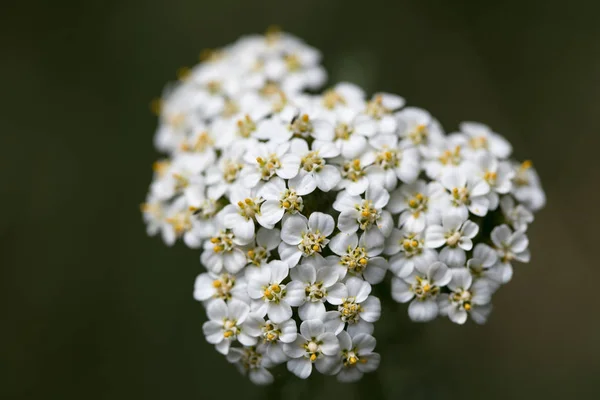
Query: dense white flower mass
300 204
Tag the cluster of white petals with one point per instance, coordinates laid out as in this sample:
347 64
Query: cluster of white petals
300 203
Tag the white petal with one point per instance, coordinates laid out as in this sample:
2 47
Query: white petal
238 310
320 222
343 242
328 178
279 312
260 376
453 257
330 345
270 213
311 310
371 309
289 254
401 291
293 228
217 310
312 328
301 367
422 311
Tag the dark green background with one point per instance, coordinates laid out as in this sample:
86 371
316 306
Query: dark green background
91 308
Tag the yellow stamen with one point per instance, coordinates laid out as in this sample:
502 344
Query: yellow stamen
313 357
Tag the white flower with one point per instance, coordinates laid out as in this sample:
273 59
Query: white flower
225 324
266 241
379 110
510 245
253 158
358 258
467 193
422 286
365 214
416 203
517 215
304 238
481 138
497 175
444 159
240 215
455 233
407 249
396 161
343 96
466 298
357 176
268 292
311 286
356 308
280 200
313 163
419 128
266 160
527 187
271 335
254 362
356 357
351 138
223 251
314 345
309 124
224 176
223 286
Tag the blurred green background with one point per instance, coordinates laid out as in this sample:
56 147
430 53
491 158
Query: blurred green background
91 308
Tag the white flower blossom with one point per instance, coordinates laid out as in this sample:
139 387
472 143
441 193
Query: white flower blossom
225 324
455 234
300 202
422 286
303 237
356 357
314 345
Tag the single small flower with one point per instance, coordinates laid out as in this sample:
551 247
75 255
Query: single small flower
267 240
272 336
455 234
268 292
517 215
481 138
225 324
314 345
303 237
266 160
422 286
224 286
467 194
365 214
356 308
466 297
280 200
358 258
417 203
254 362
312 286
313 163
407 249
356 357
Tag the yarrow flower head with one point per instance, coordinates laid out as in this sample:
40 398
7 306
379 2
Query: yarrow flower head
300 204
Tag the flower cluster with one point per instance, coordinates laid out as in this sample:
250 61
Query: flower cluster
301 203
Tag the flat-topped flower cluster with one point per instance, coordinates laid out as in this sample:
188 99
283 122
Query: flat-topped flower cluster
300 203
